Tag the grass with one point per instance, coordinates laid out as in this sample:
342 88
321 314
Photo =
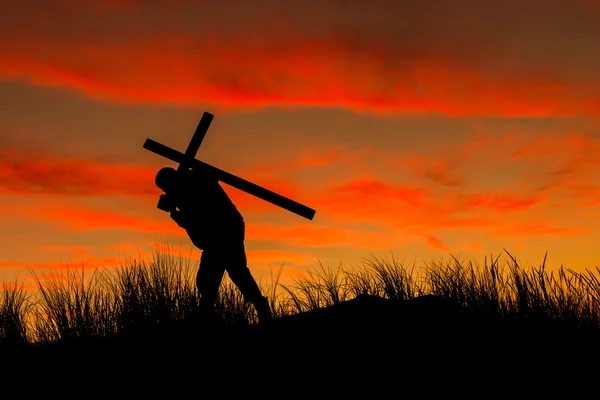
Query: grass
141 294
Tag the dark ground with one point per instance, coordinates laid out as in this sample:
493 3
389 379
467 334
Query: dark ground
366 344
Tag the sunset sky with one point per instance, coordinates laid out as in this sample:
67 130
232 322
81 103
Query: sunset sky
416 129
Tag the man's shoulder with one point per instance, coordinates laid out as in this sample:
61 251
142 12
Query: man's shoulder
201 182
200 176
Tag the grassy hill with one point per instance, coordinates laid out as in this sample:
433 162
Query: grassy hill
353 326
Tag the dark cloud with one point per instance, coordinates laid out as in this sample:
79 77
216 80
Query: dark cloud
496 58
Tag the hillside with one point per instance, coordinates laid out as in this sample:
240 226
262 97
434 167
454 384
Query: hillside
366 328
366 343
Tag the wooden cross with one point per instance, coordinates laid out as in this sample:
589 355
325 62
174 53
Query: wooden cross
188 160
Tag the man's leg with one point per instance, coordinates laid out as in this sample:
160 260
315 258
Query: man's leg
240 275
208 281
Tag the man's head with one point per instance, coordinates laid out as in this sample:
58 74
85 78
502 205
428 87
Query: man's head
166 179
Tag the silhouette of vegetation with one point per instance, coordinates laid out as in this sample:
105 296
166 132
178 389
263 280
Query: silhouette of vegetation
14 307
139 296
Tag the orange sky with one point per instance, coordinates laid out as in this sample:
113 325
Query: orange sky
415 129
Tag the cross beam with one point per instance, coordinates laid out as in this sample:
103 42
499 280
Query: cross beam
189 161
195 142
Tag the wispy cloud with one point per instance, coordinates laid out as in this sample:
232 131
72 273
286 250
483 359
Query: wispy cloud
443 192
539 228
414 62
436 243
42 267
73 217
502 201
37 171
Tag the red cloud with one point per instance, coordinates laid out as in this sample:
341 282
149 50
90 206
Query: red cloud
538 228
594 203
237 73
81 218
40 172
300 235
277 257
409 211
302 161
39 267
572 166
435 242
366 200
575 145
502 201
367 187
441 171
309 235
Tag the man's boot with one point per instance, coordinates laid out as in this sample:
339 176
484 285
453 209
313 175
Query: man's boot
263 309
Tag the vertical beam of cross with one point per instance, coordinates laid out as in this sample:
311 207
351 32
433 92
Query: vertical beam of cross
195 142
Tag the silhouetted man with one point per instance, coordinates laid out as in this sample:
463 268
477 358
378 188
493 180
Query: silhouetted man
198 204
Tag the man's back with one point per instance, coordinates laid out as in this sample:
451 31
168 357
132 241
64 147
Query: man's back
206 210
